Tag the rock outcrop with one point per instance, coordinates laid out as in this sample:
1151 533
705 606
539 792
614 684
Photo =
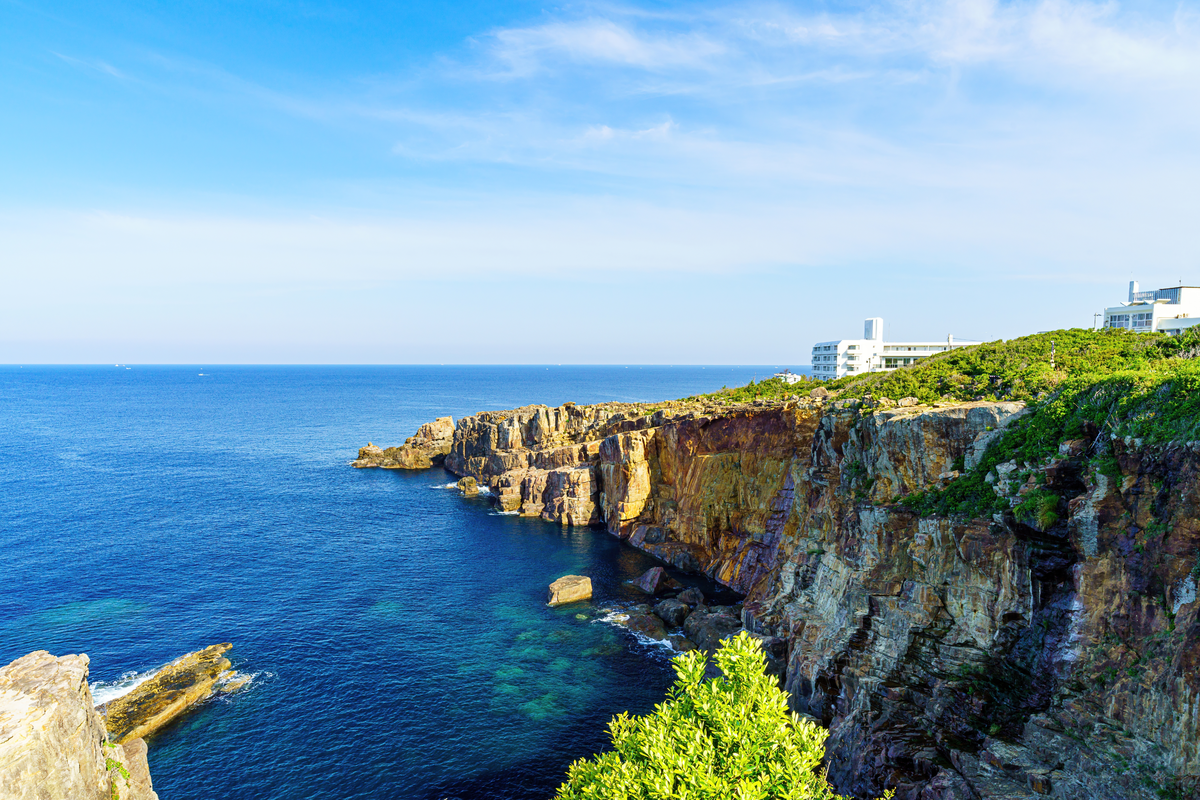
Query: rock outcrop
52 741
1051 654
426 448
174 689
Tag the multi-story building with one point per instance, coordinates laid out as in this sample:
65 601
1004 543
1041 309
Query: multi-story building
1168 310
872 353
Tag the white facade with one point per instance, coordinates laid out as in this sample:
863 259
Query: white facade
1168 310
872 353
788 377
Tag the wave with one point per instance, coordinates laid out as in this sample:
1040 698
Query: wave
107 691
506 513
616 617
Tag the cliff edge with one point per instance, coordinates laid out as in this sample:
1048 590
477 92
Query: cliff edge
52 741
1049 649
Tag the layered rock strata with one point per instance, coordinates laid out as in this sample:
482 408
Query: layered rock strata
173 690
950 657
52 741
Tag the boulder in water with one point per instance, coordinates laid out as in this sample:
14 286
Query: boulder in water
681 643
673 612
653 581
569 589
468 486
693 597
707 627
647 625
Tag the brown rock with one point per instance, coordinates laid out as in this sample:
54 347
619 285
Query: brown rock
653 581
570 589
468 486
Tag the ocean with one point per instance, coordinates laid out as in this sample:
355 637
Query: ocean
397 632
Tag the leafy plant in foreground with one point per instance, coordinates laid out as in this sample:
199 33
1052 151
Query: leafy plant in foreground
731 737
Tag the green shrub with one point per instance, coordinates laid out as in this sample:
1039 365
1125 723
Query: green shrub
730 737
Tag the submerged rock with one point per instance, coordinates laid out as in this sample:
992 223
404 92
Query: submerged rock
171 692
52 740
569 589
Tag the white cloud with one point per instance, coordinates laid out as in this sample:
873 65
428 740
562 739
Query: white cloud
601 41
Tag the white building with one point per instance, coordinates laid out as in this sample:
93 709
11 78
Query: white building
1167 310
872 353
789 377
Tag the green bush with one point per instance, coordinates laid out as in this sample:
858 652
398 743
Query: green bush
731 737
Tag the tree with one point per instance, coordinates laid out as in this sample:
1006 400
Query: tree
731 737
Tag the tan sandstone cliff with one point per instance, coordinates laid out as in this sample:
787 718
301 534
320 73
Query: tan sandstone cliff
950 657
52 742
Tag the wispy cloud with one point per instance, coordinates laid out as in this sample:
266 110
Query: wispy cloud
92 64
523 51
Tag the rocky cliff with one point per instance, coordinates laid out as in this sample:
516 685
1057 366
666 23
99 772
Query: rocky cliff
1019 655
52 742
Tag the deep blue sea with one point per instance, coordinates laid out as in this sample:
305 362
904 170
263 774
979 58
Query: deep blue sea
397 632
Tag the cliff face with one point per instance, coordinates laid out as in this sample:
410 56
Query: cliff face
52 741
950 657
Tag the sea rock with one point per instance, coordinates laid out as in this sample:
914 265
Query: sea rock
654 581
691 596
171 692
647 625
681 643
569 589
427 448
673 612
468 486
52 741
707 627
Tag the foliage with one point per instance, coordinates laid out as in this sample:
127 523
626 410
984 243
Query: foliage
1039 507
731 738
766 389
1019 369
109 765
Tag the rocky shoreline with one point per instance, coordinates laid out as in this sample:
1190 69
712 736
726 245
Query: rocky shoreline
56 743
950 657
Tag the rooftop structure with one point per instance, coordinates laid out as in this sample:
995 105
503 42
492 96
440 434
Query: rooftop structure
872 354
1168 310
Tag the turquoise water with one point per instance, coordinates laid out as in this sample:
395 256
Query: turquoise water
397 632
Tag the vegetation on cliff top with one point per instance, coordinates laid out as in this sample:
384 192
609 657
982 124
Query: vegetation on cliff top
1021 369
1104 384
727 737
1079 384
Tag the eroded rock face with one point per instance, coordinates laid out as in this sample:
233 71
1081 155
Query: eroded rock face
171 692
52 741
426 448
950 658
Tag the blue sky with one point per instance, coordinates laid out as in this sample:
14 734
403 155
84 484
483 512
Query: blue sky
265 182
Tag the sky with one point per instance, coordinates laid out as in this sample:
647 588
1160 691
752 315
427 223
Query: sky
664 183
